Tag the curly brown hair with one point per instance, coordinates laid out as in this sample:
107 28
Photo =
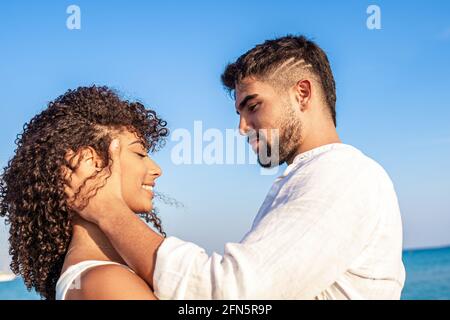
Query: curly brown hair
32 195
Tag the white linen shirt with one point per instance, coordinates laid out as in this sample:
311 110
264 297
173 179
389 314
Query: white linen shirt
329 228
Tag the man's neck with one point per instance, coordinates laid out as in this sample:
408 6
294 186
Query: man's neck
317 137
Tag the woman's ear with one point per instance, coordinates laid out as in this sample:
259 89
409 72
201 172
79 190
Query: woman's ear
82 165
90 159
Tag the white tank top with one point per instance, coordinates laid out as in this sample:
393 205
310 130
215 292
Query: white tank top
71 278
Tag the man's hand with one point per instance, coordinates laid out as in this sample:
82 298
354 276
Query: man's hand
103 193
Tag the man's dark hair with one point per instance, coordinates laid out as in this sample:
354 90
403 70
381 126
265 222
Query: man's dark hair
267 58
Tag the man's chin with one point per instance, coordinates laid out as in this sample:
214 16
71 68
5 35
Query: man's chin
269 163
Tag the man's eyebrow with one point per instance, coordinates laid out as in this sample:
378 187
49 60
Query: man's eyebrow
245 100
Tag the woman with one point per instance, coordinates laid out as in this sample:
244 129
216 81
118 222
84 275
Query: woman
63 158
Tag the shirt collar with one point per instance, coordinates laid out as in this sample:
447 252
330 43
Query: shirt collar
305 156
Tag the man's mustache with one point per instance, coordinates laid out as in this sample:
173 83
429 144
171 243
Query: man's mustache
255 135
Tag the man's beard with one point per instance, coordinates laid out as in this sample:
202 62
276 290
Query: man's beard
284 142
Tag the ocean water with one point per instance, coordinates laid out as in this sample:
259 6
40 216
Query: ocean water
427 277
427 274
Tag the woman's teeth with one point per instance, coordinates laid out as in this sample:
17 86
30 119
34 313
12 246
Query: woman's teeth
147 187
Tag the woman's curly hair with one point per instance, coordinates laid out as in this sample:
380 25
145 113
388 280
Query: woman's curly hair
32 186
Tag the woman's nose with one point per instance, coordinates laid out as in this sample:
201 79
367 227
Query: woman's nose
154 169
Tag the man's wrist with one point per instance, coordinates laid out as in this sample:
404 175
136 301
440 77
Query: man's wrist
112 216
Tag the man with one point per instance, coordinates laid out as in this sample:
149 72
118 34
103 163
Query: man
330 227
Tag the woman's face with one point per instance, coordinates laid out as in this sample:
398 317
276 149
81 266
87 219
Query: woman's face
139 173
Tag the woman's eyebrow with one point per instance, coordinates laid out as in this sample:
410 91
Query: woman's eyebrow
137 141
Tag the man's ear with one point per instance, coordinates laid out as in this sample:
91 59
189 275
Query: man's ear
303 93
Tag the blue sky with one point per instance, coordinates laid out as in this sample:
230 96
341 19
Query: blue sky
393 94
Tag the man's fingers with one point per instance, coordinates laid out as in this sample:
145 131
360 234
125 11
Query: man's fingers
114 149
72 201
69 193
115 145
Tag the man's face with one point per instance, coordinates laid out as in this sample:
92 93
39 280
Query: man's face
270 120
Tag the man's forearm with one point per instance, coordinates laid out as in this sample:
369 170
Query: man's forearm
133 240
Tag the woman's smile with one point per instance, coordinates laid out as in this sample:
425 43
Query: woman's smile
148 188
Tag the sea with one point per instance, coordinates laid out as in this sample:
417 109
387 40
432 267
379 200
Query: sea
427 277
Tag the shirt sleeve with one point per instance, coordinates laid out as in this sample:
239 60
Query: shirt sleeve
308 239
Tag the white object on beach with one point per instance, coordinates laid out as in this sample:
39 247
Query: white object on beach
6 277
5 272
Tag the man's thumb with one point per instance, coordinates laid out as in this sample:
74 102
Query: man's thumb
115 148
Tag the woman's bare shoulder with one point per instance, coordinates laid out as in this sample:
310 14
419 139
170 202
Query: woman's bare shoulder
111 282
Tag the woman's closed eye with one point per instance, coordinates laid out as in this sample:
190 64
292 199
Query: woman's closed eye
141 155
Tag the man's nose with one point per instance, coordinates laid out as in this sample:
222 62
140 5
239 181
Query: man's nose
243 126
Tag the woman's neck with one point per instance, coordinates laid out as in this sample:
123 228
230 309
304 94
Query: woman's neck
90 243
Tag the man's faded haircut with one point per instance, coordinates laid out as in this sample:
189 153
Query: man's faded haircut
282 62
